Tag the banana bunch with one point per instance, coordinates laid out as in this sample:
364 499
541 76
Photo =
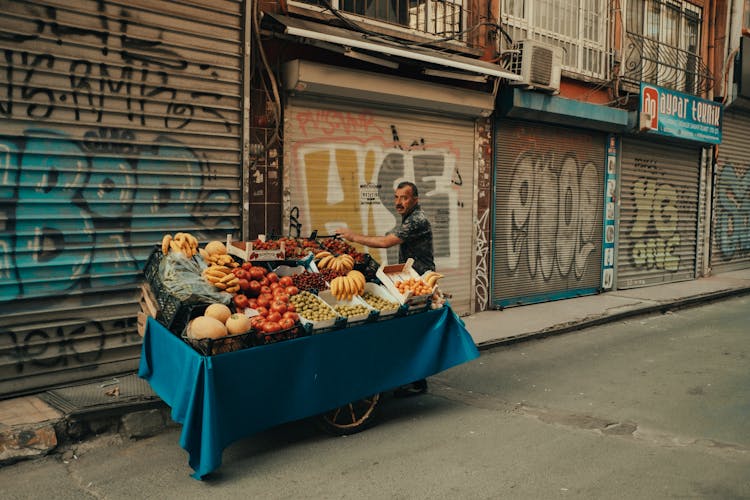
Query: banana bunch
431 278
346 287
215 254
181 242
342 263
222 278
218 259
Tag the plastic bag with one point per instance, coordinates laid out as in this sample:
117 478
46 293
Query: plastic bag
182 277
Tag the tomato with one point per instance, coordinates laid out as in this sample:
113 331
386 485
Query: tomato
291 308
286 281
237 271
271 327
264 281
278 306
281 296
262 311
274 285
272 277
265 290
256 272
252 302
256 322
254 288
264 300
274 316
244 284
286 323
240 301
290 315
246 266
291 290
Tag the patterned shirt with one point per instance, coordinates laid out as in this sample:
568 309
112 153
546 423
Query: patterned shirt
415 233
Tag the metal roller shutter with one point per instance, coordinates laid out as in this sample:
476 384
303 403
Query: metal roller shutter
548 215
730 231
658 213
343 162
121 121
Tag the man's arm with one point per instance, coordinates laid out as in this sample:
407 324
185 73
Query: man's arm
386 241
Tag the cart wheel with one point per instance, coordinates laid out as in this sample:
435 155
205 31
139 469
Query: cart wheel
351 418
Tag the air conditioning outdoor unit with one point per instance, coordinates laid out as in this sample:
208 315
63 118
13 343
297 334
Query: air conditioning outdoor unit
538 64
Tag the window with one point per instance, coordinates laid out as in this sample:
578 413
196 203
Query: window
444 18
578 26
663 45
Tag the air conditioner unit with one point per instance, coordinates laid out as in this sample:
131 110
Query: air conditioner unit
538 64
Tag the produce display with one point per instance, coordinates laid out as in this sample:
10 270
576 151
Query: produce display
378 302
348 311
340 263
266 306
346 287
184 243
337 246
310 307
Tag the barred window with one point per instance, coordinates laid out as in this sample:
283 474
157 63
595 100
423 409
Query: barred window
663 45
444 18
578 26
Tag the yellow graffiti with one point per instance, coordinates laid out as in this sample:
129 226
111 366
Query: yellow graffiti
655 225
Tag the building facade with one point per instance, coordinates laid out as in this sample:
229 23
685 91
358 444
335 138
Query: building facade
547 140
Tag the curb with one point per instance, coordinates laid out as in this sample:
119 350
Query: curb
609 318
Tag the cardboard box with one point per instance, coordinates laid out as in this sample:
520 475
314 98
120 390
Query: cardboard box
329 299
390 275
245 251
380 291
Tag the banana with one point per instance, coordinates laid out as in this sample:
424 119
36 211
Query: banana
211 279
228 277
324 262
165 243
322 254
220 286
335 288
233 289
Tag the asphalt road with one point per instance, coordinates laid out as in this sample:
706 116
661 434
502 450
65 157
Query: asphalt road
652 407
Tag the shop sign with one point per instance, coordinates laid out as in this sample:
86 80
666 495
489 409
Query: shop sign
610 198
666 112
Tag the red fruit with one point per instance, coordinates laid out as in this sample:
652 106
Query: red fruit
272 277
291 290
256 272
246 266
286 281
271 327
281 296
254 288
262 310
286 323
278 306
264 300
240 301
266 290
244 284
290 315
273 316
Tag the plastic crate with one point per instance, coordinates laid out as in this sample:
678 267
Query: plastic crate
151 269
263 338
211 347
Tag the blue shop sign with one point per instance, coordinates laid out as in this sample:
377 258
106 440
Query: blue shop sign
680 115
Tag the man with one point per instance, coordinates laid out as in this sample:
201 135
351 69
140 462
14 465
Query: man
414 237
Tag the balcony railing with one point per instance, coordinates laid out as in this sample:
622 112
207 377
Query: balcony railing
441 18
651 61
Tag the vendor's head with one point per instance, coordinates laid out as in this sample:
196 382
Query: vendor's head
407 197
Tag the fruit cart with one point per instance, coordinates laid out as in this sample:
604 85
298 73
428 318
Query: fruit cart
332 366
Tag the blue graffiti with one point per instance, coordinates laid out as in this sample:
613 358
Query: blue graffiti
733 213
82 214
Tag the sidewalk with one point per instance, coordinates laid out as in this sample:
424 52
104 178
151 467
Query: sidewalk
36 425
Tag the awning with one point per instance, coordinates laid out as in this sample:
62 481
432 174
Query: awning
347 38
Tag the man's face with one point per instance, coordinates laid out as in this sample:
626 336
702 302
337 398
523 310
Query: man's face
405 200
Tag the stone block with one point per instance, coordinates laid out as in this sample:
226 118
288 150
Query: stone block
142 424
26 442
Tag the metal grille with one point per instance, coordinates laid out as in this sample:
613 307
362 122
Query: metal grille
548 213
658 213
730 232
446 18
344 163
121 121
580 28
662 46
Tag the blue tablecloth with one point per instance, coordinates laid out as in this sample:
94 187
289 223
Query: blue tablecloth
223 398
